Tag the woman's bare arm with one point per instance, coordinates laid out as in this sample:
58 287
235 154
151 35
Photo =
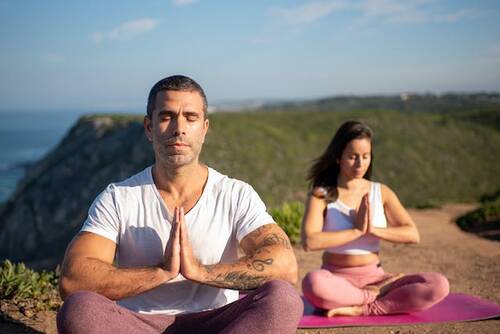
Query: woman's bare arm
401 228
313 237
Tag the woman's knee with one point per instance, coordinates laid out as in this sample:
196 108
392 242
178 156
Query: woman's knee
440 286
434 290
315 282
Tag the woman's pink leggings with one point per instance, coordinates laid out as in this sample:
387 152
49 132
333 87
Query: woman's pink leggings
332 287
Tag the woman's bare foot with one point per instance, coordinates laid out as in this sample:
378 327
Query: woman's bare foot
380 288
350 311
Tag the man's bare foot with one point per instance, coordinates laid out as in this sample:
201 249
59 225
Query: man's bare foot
380 288
350 311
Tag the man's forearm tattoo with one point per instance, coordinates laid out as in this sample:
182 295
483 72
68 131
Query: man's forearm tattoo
259 231
275 239
259 265
238 280
210 268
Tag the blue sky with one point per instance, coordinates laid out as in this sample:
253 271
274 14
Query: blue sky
105 55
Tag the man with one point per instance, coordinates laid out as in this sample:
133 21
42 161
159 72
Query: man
174 230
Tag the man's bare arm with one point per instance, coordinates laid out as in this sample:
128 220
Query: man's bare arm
88 266
269 255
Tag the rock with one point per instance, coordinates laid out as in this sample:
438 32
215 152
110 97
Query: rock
51 201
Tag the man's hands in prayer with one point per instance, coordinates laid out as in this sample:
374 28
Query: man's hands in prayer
269 255
190 266
179 258
172 260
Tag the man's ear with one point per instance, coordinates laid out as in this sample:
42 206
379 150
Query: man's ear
206 124
147 128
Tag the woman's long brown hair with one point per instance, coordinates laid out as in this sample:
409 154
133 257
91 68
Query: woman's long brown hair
325 169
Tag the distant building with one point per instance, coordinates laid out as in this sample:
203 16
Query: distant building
406 96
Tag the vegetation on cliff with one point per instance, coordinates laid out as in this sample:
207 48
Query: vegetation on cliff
428 158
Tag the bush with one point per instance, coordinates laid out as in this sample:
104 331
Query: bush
488 212
28 288
289 217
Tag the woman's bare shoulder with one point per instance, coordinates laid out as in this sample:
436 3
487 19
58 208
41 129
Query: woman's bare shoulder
327 194
387 193
319 192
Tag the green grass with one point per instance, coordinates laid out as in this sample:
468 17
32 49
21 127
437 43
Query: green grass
428 159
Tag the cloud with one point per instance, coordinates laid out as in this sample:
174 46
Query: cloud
126 30
410 11
457 16
393 11
368 11
183 2
309 12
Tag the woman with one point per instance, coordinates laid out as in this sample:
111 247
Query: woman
346 216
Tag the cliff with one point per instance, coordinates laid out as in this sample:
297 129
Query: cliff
51 201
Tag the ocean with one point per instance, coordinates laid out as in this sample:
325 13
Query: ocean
25 137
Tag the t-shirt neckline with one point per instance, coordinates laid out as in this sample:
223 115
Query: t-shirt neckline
164 205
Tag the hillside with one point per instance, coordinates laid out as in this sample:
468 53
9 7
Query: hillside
428 158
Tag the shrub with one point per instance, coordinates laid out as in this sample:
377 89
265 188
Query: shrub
486 213
28 288
289 216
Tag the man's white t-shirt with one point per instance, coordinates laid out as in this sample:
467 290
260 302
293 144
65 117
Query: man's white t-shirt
133 215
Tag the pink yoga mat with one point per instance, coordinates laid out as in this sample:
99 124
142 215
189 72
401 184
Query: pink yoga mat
456 307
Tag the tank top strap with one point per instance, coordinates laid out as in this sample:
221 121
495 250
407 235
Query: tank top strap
375 192
377 203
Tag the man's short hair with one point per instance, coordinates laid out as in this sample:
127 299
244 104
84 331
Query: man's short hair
175 83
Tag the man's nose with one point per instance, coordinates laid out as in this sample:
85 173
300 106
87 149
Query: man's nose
179 126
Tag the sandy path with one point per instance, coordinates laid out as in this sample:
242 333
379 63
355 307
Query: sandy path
470 263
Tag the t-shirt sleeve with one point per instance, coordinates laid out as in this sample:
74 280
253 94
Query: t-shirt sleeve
251 212
103 217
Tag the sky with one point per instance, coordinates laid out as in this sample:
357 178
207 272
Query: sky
99 55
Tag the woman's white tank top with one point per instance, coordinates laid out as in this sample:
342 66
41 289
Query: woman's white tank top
340 217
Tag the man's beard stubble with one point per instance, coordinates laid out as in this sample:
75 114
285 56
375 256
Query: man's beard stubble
170 159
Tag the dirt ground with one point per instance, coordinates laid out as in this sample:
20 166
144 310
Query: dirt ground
469 262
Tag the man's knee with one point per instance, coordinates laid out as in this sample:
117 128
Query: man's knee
282 300
79 311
